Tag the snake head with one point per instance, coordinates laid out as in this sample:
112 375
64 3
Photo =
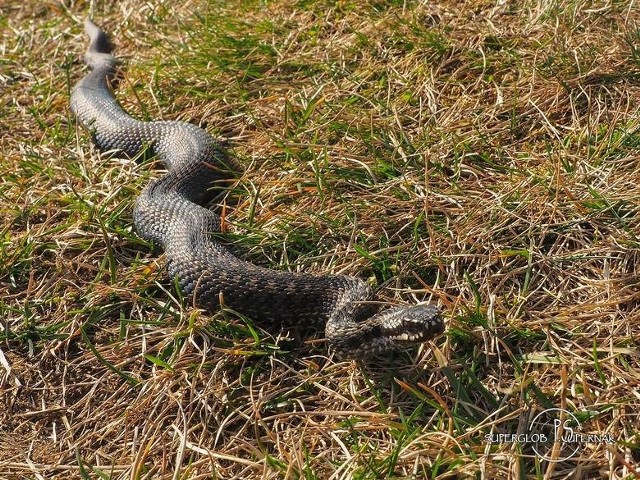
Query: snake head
394 328
409 325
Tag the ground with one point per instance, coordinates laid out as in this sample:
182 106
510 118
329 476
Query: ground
479 155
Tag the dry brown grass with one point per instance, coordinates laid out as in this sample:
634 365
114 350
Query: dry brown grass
478 154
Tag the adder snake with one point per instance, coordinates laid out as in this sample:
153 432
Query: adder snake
170 212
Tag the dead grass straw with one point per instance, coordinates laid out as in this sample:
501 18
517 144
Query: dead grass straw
482 155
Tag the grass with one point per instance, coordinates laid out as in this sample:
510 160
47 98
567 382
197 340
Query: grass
481 155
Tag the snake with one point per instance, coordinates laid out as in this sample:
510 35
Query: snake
173 212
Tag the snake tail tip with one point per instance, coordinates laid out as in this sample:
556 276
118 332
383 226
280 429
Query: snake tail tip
99 41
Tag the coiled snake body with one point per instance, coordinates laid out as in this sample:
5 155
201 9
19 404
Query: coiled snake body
169 211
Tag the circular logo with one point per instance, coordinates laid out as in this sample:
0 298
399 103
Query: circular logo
556 434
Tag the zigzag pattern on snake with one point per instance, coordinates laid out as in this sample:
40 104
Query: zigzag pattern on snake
170 212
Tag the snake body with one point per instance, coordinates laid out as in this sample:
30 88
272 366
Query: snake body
170 212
